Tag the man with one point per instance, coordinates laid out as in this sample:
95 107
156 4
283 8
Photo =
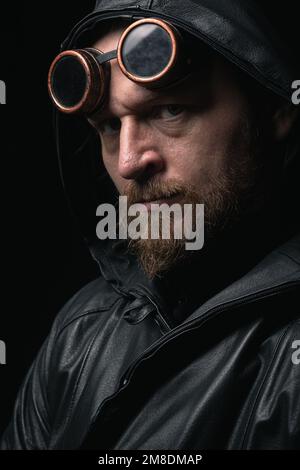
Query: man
171 349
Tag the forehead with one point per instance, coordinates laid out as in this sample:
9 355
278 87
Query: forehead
123 93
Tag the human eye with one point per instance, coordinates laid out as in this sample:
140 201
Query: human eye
169 111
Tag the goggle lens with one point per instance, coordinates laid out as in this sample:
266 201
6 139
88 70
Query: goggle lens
150 52
68 81
147 50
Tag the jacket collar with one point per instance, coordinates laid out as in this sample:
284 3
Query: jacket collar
279 267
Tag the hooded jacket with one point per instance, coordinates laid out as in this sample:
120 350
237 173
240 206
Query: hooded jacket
127 367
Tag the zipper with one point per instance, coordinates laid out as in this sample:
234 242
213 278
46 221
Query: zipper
195 323
189 326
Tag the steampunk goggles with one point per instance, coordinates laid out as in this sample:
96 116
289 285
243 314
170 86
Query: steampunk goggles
150 52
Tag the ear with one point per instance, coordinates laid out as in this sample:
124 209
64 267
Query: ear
283 120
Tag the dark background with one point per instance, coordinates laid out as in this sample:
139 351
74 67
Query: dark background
43 258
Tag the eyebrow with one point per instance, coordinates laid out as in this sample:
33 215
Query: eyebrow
153 98
105 112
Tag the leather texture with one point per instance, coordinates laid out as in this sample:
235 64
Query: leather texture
115 373
222 379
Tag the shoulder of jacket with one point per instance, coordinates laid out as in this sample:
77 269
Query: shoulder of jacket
274 420
284 357
95 297
291 250
288 338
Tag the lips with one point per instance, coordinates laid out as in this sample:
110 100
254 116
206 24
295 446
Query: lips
162 200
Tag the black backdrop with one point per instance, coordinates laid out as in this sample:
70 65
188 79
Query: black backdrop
43 259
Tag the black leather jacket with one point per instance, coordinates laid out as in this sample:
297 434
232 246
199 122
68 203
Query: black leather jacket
115 371
114 375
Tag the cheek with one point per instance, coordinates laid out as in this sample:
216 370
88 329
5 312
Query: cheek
197 152
211 142
110 162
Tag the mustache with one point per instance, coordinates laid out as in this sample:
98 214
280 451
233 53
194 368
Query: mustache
154 190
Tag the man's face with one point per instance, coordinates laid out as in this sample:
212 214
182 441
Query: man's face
193 141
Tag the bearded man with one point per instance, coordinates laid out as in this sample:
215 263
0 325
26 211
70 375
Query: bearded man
172 102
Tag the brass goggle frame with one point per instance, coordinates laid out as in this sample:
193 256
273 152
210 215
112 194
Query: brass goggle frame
78 79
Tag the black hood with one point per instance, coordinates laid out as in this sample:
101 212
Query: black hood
239 30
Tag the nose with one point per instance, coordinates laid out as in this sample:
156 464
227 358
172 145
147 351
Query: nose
139 156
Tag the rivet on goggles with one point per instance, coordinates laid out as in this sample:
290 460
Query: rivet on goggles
150 52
